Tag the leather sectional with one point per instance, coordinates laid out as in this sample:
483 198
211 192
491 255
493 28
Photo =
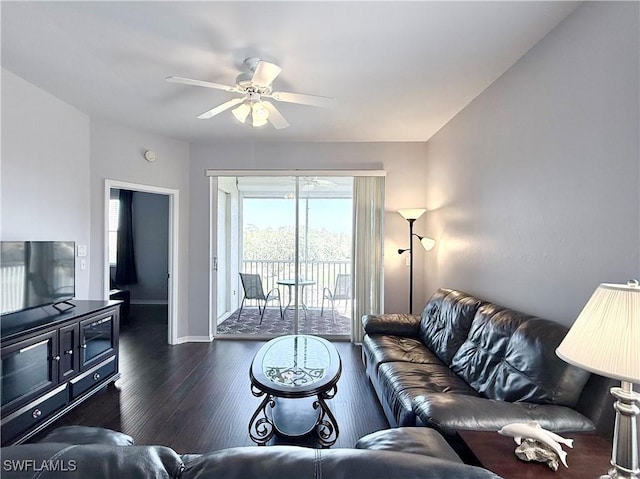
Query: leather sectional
96 453
466 363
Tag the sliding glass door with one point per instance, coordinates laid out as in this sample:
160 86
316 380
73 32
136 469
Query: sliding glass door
293 256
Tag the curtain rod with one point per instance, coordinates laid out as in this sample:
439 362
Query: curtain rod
272 172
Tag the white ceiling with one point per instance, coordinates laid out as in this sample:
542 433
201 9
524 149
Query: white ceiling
398 70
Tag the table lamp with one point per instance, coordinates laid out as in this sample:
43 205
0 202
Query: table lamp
605 339
411 215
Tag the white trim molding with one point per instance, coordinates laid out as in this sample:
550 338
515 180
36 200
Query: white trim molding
174 229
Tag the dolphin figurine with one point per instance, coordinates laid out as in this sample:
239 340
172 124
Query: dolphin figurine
552 435
533 430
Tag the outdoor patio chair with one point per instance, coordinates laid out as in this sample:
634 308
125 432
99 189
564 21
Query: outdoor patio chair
341 291
252 285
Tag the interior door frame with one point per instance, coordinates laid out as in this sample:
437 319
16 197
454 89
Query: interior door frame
174 264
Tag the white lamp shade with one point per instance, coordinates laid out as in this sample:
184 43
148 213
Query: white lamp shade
605 339
259 114
242 112
427 243
412 213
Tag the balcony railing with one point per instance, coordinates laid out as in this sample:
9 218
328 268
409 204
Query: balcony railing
323 273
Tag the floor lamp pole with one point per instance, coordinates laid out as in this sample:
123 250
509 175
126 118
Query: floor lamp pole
411 265
411 215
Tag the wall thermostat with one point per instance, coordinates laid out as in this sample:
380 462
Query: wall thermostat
149 155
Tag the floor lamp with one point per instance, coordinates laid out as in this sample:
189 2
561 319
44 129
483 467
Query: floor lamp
605 339
411 215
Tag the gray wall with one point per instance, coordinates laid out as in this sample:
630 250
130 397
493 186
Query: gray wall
45 169
534 187
117 154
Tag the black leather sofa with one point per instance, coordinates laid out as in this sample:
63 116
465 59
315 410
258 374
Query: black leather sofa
466 363
95 453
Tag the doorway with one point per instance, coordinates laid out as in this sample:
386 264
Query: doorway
152 197
286 239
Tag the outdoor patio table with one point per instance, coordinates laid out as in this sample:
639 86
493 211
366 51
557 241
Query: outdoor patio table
290 283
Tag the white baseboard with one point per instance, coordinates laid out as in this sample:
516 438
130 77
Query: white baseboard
149 301
194 339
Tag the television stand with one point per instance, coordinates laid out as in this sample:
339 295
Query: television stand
52 361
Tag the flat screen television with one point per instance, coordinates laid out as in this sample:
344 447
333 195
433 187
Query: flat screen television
36 273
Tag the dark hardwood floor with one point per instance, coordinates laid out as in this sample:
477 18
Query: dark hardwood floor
196 397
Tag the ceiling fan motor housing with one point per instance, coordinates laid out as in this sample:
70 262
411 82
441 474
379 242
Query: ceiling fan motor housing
252 63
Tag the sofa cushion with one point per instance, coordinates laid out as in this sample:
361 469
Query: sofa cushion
446 320
400 382
452 412
511 356
383 349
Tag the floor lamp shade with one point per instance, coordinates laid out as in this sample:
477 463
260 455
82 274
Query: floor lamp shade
427 243
412 213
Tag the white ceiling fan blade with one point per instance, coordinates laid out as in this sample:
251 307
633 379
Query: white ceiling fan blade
312 100
220 108
207 84
265 73
323 182
275 118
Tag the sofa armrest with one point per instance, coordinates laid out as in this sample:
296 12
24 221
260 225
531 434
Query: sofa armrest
95 461
450 412
416 440
396 324
87 435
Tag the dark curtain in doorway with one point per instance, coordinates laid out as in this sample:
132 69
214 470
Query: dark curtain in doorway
125 258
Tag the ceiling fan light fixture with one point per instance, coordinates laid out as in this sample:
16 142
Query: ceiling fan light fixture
242 112
254 86
259 114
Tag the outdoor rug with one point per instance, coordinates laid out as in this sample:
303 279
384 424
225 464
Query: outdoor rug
312 323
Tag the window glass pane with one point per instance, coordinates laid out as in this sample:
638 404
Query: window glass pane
113 245
114 211
315 291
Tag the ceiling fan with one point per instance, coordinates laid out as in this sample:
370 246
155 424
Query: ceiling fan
255 87
309 183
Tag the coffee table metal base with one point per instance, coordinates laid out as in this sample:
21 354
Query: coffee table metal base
275 415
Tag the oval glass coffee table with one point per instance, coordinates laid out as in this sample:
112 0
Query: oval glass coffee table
289 371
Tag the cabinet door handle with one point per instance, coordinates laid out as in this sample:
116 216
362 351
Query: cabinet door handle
56 358
83 346
96 376
24 350
69 352
36 413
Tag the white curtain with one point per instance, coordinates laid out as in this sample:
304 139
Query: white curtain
368 248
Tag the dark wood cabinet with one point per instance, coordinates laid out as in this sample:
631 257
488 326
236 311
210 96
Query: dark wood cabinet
51 362
98 339
68 351
29 368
